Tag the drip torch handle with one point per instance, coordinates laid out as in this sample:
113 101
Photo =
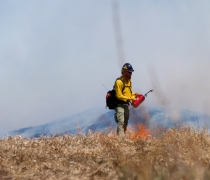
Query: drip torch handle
148 92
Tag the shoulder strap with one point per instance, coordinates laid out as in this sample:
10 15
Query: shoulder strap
122 82
126 86
130 87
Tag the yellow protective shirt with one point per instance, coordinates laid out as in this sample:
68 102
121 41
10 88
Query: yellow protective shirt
126 94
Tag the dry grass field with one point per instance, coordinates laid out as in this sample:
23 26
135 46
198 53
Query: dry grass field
179 154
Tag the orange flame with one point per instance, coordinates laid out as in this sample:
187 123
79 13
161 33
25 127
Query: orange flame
140 132
78 127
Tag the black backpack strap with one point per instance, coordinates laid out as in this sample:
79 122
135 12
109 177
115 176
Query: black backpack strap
130 87
124 85
122 82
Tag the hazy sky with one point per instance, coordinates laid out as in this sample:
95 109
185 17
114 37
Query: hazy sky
55 55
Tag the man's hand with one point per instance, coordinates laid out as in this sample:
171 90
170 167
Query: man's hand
136 95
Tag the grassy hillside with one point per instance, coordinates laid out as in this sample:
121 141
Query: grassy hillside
182 153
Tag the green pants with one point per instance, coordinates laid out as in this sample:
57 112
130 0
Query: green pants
121 118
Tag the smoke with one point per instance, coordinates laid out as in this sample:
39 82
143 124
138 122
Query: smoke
182 90
118 33
189 90
55 56
159 94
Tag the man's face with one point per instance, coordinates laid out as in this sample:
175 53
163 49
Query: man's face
127 74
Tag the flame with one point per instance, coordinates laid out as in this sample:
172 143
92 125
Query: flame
78 127
140 132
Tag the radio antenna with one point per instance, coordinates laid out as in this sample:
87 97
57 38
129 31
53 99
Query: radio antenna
105 87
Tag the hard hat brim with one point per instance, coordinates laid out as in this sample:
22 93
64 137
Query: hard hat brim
130 70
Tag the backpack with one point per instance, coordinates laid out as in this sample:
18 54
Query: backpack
111 100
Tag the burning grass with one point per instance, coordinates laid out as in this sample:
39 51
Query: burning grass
182 153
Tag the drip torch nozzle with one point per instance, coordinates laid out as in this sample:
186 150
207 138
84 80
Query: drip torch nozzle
148 92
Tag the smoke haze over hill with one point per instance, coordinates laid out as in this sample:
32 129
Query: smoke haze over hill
54 56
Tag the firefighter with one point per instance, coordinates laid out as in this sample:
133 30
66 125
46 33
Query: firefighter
124 96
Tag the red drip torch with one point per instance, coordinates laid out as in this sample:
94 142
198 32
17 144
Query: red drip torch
140 98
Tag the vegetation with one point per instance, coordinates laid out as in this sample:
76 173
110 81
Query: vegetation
182 153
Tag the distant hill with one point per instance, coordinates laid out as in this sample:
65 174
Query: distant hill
101 119
2 134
